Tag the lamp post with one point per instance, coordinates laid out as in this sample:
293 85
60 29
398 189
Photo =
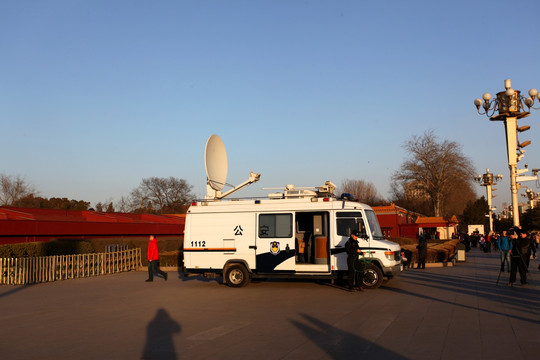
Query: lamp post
531 196
488 180
510 106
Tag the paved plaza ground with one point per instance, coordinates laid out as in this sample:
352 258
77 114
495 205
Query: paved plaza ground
454 312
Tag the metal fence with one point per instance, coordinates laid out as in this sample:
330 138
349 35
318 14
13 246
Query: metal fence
21 271
115 247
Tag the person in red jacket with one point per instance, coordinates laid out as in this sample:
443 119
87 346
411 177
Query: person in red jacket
153 260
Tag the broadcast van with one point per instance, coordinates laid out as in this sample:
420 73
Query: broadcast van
297 233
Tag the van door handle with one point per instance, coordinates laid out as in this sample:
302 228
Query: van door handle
254 247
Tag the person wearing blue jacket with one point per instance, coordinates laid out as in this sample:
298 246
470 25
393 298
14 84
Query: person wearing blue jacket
504 244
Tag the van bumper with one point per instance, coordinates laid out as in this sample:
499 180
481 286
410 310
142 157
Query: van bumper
393 270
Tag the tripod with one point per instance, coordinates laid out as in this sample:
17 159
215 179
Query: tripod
502 268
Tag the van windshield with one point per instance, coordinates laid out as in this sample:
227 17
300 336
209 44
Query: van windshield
374 225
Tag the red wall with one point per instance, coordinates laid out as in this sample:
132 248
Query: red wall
389 225
396 221
409 230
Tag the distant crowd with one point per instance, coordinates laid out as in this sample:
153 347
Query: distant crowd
516 247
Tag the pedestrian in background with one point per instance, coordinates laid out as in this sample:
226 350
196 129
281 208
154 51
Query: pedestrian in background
531 253
489 240
422 252
504 245
153 260
495 241
467 241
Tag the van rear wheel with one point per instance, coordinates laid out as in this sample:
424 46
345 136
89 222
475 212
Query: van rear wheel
373 277
236 275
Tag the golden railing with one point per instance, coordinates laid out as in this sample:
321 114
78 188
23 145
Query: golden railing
31 270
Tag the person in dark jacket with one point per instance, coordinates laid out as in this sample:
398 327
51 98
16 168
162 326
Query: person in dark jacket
153 260
422 252
520 249
356 273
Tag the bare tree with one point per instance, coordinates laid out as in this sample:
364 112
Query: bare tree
110 208
460 195
401 197
162 195
106 206
433 169
13 189
363 191
123 205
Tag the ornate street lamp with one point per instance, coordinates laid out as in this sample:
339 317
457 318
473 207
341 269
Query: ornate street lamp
488 180
532 197
510 106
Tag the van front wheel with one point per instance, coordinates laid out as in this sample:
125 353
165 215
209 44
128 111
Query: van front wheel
236 275
373 277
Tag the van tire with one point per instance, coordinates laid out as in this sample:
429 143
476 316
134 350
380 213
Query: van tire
373 277
236 276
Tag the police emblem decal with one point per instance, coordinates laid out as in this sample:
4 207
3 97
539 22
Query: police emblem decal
274 247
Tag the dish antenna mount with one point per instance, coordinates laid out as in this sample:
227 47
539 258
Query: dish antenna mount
215 162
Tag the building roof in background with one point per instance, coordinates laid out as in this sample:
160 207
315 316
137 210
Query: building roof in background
12 213
27 224
436 221
393 209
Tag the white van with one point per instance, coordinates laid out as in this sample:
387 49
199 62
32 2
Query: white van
296 234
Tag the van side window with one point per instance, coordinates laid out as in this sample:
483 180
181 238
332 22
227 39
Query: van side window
275 225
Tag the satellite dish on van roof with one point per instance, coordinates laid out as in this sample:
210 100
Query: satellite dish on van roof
215 162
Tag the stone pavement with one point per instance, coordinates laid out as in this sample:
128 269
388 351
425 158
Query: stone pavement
454 312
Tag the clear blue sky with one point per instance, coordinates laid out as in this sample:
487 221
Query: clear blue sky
97 95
